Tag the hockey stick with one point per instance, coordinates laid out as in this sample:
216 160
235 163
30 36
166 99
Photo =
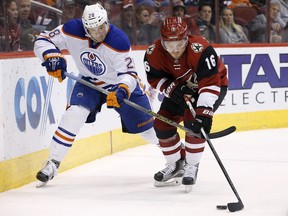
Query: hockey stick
232 206
218 134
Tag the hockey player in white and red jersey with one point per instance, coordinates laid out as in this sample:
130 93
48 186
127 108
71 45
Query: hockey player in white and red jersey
181 65
102 54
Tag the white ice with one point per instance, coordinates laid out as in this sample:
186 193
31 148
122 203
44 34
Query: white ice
122 184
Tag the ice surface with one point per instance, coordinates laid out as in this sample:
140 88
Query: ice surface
122 184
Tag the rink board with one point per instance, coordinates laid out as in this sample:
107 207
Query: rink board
21 170
32 104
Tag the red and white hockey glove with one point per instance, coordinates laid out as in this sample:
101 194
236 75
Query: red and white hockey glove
55 64
115 99
203 119
176 92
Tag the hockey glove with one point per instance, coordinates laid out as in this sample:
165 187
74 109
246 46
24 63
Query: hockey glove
115 99
203 119
176 92
55 64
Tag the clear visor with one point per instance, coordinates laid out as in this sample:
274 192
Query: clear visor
175 46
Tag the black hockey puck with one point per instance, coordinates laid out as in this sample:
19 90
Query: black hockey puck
221 207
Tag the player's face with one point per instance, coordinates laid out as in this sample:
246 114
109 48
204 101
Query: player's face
175 48
98 34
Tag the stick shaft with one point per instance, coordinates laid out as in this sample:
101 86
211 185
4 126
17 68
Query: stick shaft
221 165
150 112
130 103
215 154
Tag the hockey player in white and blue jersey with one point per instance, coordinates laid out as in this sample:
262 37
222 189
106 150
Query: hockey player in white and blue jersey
102 55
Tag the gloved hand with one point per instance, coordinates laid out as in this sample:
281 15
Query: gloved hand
115 99
55 64
203 119
176 92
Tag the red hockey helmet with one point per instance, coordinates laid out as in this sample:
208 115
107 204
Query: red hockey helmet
173 29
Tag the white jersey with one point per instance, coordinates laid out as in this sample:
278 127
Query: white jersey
108 63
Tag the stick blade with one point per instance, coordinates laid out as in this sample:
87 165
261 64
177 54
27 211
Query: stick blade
235 206
222 133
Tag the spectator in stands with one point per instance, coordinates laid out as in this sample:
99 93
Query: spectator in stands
258 28
229 31
113 10
221 6
126 21
1 24
28 33
82 3
283 18
107 7
12 32
46 19
206 28
69 11
179 10
146 31
1 10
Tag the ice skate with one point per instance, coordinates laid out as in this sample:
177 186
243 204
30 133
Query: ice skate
171 175
190 176
47 173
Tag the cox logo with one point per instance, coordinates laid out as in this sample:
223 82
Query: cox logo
36 99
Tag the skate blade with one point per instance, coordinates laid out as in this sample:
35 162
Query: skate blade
40 184
188 188
170 182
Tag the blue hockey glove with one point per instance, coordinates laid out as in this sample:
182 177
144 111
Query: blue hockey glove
203 119
115 99
55 64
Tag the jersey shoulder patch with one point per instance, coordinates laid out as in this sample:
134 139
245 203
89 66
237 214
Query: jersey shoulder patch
198 44
197 47
150 49
117 39
74 28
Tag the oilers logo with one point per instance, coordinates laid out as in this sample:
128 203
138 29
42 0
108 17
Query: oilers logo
93 63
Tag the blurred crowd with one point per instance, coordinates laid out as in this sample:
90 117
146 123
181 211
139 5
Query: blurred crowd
234 21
